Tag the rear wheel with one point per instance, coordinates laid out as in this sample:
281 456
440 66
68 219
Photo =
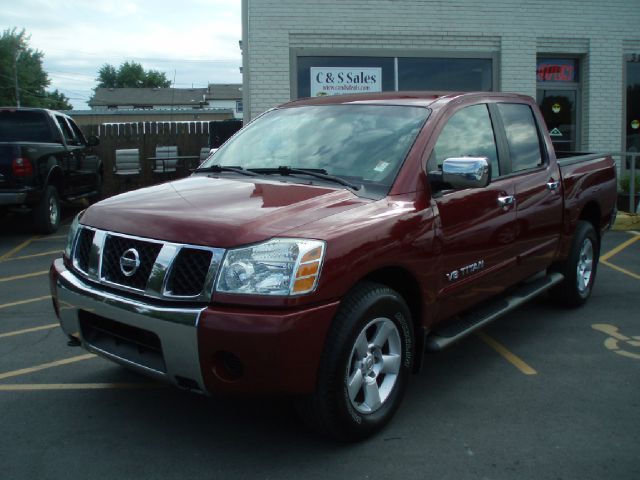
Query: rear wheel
46 214
365 366
579 269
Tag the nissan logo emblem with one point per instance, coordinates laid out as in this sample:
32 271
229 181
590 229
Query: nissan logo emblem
129 262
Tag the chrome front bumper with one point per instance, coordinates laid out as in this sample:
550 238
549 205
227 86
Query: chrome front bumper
176 328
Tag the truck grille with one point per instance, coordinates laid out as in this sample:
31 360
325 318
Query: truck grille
83 249
115 247
147 267
189 272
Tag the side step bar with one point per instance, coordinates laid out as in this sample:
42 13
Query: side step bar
468 323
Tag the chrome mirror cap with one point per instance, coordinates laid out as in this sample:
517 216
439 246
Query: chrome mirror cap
466 172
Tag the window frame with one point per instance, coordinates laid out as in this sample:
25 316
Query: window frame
493 128
393 54
501 137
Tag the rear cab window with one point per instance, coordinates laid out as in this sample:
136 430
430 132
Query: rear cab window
523 138
25 126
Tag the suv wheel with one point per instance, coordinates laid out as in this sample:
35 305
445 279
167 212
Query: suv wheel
46 214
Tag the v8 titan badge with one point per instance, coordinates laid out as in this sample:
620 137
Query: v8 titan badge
618 343
555 108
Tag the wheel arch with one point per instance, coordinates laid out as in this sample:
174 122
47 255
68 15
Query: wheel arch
55 177
405 283
591 213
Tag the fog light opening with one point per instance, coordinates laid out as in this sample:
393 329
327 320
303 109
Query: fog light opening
227 366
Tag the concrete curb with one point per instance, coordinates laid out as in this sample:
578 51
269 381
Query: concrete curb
626 221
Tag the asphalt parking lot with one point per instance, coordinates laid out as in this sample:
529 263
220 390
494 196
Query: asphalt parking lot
544 393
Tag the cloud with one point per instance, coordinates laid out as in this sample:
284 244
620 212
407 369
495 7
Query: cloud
197 41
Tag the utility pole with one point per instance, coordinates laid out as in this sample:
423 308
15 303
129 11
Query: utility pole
15 73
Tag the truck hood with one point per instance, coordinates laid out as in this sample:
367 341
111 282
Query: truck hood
218 212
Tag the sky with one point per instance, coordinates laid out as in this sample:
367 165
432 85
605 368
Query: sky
195 42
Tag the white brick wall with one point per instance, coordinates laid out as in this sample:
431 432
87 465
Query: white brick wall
601 32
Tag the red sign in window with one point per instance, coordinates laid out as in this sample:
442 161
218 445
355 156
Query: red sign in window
555 70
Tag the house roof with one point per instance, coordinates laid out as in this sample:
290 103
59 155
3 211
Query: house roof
147 96
224 91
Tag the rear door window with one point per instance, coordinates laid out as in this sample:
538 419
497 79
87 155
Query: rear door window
522 136
66 130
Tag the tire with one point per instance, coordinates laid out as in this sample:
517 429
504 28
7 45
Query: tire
96 197
579 269
365 365
46 214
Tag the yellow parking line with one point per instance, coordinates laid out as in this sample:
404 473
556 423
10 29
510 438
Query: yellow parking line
18 248
37 368
22 302
76 386
26 257
50 237
29 330
619 248
621 270
506 354
26 275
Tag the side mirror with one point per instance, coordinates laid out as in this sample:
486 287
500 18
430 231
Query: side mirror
93 141
466 172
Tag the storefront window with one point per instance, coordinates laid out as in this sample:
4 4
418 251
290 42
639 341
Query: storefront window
633 105
339 75
445 74
326 75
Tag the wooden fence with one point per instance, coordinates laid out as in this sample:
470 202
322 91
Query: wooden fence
189 137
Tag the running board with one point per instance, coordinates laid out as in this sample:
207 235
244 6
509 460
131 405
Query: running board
488 312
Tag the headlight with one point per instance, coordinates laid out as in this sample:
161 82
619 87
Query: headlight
283 266
71 236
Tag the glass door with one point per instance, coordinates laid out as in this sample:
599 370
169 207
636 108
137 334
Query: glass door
559 111
558 82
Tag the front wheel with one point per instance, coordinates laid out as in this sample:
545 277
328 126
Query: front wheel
365 366
579 269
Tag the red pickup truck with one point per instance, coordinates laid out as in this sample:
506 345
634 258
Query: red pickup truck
329 243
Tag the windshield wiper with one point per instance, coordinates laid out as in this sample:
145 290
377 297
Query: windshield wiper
224 168
313 172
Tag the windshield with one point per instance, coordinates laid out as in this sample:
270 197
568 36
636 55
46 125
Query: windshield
362 143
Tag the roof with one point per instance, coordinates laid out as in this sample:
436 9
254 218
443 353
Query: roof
224 91
415 99
147 96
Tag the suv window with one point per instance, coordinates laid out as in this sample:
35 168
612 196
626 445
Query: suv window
24 126
66 130
78 133
522 136
468 133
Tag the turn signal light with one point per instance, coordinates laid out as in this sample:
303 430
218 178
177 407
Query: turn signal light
21 167
308 271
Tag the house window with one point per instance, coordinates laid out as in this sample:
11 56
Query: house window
239 106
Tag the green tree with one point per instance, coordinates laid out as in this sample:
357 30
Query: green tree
130 75
15 53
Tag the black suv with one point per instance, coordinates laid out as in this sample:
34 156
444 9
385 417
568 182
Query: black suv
44 157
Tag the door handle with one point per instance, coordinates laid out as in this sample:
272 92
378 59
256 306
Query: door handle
551 185
506 201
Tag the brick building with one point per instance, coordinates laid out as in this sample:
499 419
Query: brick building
580 58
